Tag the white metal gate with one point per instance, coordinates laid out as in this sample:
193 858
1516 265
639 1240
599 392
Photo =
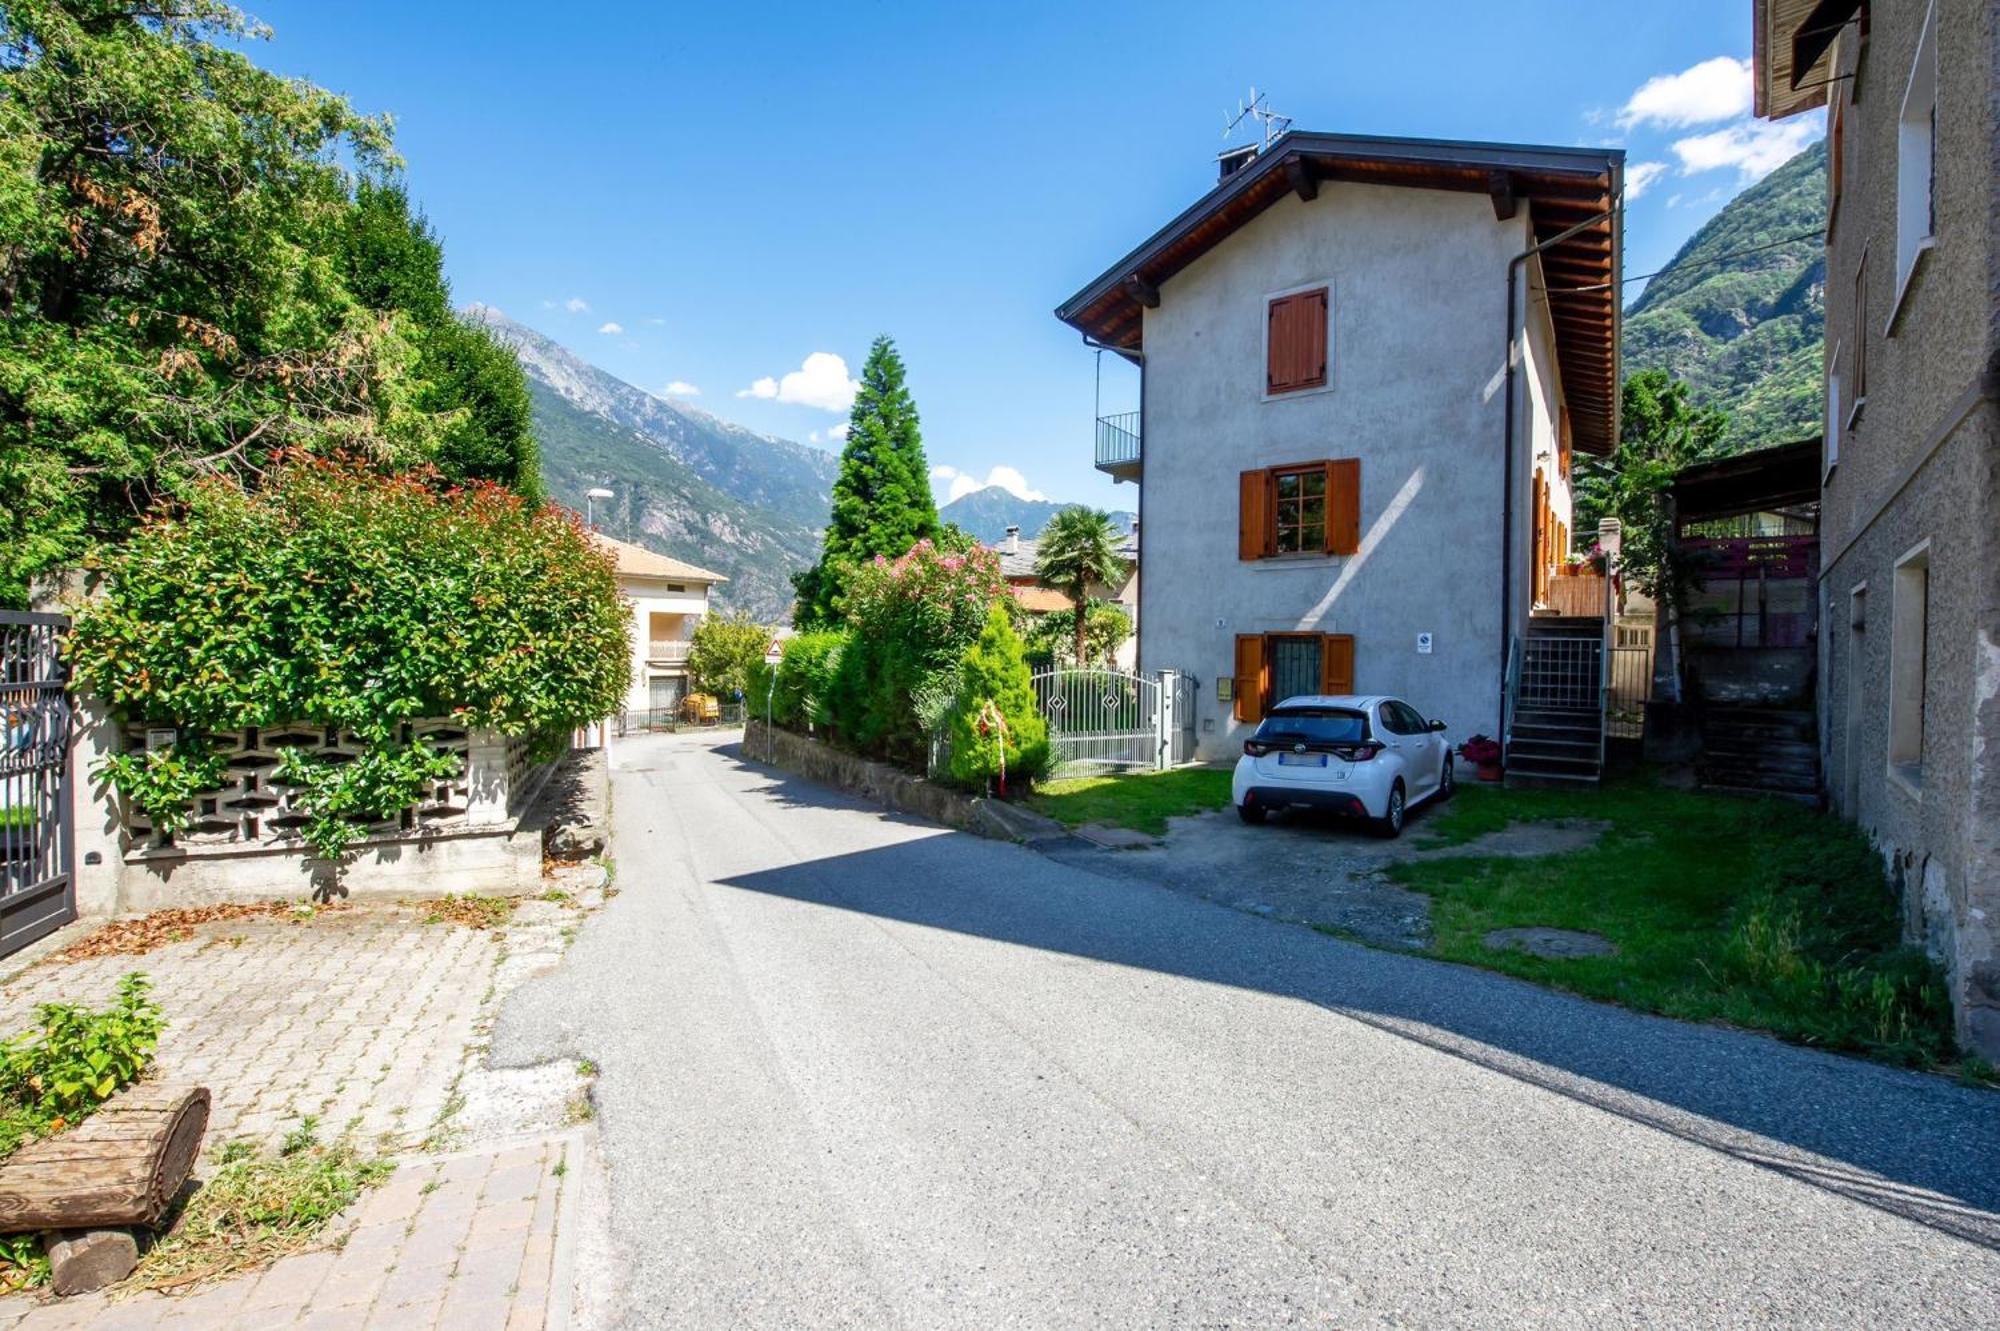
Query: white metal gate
1101 719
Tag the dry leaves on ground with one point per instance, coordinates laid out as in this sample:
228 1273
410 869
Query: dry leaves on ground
177 924
474 912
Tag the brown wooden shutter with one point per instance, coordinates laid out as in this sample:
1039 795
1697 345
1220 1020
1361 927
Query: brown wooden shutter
1255 535
1295 346
1249 677
1336 663
1343 506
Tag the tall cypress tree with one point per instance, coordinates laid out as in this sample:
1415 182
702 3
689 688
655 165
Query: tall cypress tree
882 502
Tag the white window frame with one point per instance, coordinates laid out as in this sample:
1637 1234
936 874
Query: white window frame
1916 162
1909 668
1264 340
1834 420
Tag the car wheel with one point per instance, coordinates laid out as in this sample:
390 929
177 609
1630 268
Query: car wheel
1446 784
1250 814
1390 824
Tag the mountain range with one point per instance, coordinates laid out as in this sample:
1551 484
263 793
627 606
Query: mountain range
688 484
986 514
1740 312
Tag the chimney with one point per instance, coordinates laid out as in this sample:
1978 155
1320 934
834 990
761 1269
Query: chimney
1013 546
1231 160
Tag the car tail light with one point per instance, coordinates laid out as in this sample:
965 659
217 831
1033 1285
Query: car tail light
1252 748
1360 753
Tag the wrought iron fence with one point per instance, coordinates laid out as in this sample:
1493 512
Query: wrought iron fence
1100 719
37 841
669 720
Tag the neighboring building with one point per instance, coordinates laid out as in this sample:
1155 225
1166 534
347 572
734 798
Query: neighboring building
1909 665
1364 364
1017 565
668 598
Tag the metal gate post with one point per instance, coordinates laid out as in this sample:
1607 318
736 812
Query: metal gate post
1166 718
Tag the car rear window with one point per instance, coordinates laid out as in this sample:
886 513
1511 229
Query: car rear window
1315 725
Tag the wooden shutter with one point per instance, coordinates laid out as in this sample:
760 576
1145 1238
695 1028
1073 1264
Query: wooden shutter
1336 663
1343 506
1256 534
1295 343
1249 677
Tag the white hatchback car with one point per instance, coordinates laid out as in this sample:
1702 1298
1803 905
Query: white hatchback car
1373 757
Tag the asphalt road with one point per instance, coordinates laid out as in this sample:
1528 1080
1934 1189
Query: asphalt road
856 1070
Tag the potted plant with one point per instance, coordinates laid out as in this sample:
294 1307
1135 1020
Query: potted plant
1484 756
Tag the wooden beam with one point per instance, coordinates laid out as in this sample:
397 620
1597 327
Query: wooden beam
1304 180
1500 185
1139 289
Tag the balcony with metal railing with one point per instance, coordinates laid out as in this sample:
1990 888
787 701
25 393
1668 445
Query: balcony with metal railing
667 651
1118 446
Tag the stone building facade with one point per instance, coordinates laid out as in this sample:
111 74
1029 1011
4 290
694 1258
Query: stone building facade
1909 659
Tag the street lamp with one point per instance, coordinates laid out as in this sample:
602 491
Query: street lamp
590 498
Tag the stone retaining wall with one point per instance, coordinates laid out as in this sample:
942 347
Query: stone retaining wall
892 787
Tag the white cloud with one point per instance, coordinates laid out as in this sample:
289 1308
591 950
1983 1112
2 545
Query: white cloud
837 431
577 305
1702 94
1755 148
612 328
680 388
833 434
820 382
957 484
655 320
1640 176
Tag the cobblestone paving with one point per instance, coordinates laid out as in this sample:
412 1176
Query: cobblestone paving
464 1241
360 1016
372 1020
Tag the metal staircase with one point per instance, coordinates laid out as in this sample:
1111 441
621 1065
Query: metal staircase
1555 703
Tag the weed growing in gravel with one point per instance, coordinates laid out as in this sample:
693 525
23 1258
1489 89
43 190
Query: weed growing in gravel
470 910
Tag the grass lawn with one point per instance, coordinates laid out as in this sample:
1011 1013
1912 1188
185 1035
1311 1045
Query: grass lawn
1758 913
1142 801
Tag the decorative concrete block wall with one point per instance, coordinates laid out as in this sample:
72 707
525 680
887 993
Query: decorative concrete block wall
464 835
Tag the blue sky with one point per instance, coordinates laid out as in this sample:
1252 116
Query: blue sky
715 197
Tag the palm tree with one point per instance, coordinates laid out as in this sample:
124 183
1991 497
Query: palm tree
1079 547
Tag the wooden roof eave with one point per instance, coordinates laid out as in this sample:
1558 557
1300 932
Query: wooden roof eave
1562 187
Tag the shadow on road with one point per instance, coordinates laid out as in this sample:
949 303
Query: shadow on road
1913 1145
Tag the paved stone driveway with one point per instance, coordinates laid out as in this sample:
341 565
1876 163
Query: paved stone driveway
359 1016
374 1021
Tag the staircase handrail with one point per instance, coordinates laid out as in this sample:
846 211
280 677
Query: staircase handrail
1511 693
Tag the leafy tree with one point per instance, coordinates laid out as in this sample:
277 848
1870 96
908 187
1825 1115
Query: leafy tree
995 726
191 280
798 690
1052 636
882 501
1661 432
1076 551
722 652
472 384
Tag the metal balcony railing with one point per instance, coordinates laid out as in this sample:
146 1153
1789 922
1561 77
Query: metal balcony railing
1118 440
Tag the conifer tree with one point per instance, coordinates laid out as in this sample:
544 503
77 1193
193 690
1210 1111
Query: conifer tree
882 503
995 710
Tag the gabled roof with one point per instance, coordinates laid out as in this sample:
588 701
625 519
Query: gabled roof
636 561
1563 188
1020 563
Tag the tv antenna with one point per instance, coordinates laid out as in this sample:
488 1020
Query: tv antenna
1257 108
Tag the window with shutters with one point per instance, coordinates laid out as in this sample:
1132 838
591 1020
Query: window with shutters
1301 508
1295 341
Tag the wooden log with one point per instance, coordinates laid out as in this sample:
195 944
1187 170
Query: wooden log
83 1260
121 1166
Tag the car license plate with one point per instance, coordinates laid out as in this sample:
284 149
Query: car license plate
1301 760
